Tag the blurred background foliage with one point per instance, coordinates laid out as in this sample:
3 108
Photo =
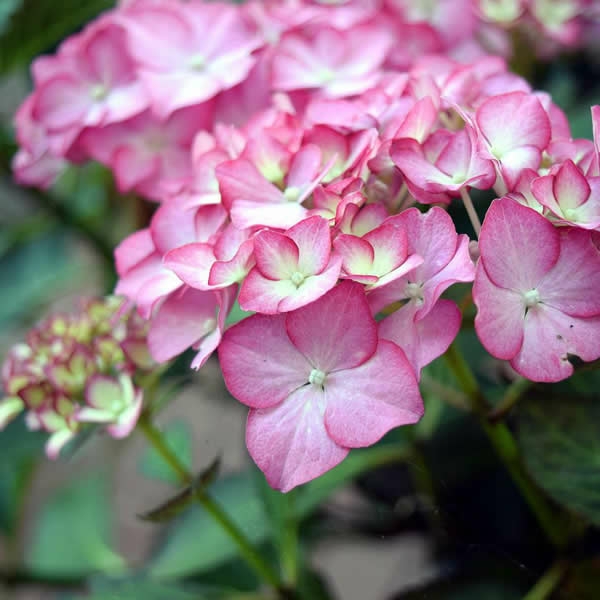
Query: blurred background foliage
430 513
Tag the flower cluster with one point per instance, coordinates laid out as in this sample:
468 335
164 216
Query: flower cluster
78 368
304 155
135 86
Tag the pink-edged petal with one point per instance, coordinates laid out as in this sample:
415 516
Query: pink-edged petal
289 442
57 441
313 239
181 321
549 337
357 254
101 391
422 341
153 290
276 255
570 187
500 316
573 284
192 264
364 403
336 331
227 272
133 249
518 245
259 294
260 365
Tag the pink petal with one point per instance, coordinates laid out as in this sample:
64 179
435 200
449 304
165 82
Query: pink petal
500 316
518 245
276 255
260 365
313 239
289 442
192 264
574 290
336 331
424 340
366 402
182 320
549 337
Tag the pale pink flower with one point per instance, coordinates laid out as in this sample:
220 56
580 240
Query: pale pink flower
93 83
336 63
318 382
537 292
187 53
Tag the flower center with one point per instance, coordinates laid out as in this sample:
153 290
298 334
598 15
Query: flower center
292 194
532 298
317 377
98 92
297 278
414 291
197 62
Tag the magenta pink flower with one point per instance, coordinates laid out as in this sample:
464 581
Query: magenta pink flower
537 290
292 268
318 382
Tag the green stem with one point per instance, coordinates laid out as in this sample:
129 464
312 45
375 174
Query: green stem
289 543
246 549
549 581
512 395
507 450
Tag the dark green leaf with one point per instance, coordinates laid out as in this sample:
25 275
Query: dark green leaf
71 537
36 26
178 437
560 441
173 506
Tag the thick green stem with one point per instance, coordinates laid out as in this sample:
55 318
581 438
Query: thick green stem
246 549
507 450
549 581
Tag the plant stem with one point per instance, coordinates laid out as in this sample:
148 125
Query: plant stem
473 216
289 544
512 395
507 450
245 547
548 582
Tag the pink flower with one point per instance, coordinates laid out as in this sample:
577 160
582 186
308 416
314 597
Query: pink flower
537 290
292 268
571 197
94 82
318 382
513 143
446 260
187 53
336 63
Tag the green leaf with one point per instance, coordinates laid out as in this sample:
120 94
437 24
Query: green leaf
71 537
173 506
20 449
197 544
36 26
178 437
560 441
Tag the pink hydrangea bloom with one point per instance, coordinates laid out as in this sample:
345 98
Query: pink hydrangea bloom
537 291
318 382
